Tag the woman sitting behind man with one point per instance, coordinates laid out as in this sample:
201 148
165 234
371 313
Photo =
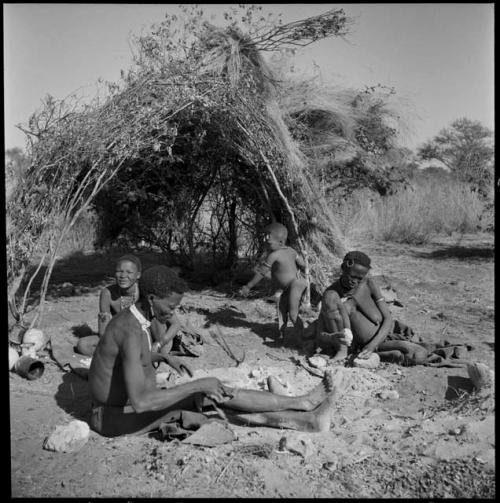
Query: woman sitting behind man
121 295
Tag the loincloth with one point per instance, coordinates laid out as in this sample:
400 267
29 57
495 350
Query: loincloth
116 421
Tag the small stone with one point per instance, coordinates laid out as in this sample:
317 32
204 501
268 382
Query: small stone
317 362
388 394
332 462
367 363
257 373
68 438
301 446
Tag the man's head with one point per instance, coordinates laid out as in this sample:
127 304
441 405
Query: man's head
128 271
162 289
276 235
355 267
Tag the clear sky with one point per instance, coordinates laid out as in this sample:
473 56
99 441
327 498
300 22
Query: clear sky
439 57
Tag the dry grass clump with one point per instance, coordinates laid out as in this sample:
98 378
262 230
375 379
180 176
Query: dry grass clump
413 214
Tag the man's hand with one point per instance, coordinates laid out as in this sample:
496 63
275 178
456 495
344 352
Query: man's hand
178 365
213 389
244 291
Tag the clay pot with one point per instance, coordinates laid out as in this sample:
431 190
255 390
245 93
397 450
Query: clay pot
35 337
30 368
13 357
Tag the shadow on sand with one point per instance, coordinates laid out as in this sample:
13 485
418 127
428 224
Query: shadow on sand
460 252
232 318
73 396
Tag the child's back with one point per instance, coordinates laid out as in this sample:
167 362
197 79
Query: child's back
283 264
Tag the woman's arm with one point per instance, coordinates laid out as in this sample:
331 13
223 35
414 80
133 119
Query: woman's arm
163 335
104 314
332 316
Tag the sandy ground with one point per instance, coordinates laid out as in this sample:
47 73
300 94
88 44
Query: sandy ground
436 440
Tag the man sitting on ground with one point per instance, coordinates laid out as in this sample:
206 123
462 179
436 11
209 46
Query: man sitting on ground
123 386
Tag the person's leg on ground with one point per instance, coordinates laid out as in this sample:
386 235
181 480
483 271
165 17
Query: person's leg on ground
296 291
283 310
263 401
318 419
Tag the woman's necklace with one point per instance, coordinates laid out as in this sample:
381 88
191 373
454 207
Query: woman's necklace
346 291
128 300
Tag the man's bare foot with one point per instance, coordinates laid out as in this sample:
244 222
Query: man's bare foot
276 387
330 386
321 416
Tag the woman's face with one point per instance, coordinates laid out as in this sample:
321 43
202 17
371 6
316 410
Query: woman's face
354 275
126 274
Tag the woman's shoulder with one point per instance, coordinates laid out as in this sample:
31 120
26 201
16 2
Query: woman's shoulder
334 288
111 291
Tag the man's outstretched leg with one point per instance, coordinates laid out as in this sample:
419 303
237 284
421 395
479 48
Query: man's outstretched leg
318 419
246 400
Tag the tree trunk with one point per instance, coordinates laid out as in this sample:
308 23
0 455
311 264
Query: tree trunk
232 254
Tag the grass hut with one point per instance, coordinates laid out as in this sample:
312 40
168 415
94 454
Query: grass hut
190 151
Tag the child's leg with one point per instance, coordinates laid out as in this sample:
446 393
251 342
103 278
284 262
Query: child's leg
296 290
278 310
283 310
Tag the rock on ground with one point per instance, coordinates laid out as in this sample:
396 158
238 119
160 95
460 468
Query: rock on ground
68 438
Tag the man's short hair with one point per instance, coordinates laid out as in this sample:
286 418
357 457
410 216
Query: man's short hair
278 230
357 257
130 258
161 281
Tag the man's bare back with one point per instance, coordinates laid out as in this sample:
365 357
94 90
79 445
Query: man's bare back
106 378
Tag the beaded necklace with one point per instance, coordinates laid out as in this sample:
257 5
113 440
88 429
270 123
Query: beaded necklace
129 300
